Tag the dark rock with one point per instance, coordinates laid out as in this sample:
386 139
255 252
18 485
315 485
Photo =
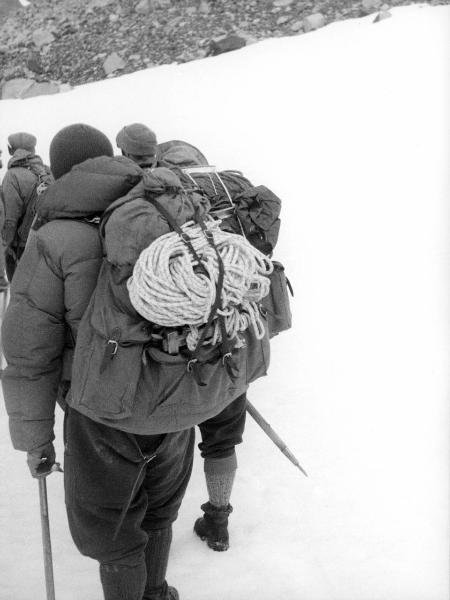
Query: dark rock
34 63
226 44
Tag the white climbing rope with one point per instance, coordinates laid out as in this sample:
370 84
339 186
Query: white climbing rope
170 289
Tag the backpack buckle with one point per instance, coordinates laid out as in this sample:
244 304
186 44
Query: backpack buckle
226 357
40 189
171 342
115 344
190 364
109 354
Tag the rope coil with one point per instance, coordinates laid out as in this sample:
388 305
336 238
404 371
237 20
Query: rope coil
169 288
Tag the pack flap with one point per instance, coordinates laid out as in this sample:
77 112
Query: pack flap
132 223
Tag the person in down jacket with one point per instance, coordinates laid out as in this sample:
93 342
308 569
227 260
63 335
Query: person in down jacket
25 168
221 433
122 490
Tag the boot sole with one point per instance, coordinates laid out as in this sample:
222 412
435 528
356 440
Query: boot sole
216 546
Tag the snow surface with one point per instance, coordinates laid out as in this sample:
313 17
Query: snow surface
350 126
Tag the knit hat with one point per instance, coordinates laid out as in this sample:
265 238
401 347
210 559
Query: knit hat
137 139
22 141
74 144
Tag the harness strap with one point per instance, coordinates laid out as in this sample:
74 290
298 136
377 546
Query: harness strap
174 225
126 506
226 344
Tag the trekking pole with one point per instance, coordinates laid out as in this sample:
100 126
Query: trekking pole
273 436
46 542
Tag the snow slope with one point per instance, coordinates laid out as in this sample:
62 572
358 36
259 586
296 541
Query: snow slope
350 126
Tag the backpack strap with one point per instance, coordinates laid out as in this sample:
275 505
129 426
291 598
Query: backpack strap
226 345
174 225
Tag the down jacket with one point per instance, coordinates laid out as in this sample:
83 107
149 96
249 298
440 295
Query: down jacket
17 187
51 289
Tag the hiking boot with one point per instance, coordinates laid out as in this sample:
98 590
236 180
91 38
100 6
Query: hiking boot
165 592
173 594
213 526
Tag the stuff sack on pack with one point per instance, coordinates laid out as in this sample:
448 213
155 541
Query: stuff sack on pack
174 330
252 211
276 304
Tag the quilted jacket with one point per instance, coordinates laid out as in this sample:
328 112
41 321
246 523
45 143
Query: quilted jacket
50 291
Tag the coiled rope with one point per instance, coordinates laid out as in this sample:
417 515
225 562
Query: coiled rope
170 289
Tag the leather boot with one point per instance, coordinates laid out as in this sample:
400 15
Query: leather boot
213 526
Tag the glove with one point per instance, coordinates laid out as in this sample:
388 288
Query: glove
42 462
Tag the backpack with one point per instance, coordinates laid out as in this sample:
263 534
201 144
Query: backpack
252 211
43 179
173 332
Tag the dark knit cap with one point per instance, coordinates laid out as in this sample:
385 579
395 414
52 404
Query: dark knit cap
22 141
74 144
137 139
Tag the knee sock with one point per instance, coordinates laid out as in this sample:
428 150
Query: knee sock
219 474
122 581
156 559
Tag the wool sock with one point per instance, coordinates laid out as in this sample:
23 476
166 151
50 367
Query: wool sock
121 581
156 559
219 475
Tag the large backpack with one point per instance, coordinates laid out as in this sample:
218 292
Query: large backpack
173 332
44 178
252 211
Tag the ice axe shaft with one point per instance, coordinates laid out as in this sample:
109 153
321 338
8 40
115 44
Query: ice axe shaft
46 542
273 436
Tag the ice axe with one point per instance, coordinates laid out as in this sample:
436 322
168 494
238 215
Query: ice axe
46 542
273 436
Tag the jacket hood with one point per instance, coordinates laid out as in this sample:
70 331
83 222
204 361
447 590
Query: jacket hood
24 158
89 188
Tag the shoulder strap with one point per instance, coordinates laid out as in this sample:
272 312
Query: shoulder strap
174 225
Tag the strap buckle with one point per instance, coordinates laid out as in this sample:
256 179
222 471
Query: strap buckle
226 357
190 364
171 342
115 347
